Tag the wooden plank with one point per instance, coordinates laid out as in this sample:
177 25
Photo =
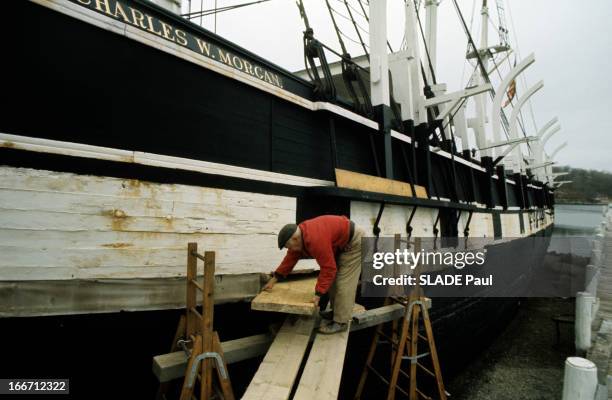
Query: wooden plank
377 316
279 368
64 297
291 297
323 371
172 365
192 325
369 183
224 381
197 344
208 308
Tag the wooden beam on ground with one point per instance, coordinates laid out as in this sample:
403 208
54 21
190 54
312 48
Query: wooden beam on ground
369 183
323 371
172 365
290 297
277 372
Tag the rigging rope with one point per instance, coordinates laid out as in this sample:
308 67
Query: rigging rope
351 19
365 49
365 15
203 13
468 49
331 14
357 11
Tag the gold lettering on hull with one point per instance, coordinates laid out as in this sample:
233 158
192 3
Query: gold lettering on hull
120 11
204 46
142 20
167 31
151 27
100 3
225 57
138 18
181 37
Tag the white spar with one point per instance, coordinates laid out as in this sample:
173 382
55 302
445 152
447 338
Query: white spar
516 163
496 109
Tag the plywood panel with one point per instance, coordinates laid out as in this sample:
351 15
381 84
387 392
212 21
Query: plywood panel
291 297
369 183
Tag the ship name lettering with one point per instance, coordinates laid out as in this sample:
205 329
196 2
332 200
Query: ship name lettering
181 37
243 65
167 31
138 18
142 20
204 46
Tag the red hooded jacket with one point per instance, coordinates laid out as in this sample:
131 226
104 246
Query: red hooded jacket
323 237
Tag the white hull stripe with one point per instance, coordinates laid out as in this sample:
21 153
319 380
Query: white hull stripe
150 159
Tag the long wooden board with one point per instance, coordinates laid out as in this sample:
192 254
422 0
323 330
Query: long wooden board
354 180
291 297
277 372
323 371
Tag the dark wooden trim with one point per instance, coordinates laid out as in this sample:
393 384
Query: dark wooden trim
63 297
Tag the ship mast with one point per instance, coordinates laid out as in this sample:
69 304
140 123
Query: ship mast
479 123
431 38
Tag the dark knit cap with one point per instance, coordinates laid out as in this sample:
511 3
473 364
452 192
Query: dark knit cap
285 233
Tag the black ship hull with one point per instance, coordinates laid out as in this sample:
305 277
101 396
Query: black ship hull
102 102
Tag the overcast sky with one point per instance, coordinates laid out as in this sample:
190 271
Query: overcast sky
572 42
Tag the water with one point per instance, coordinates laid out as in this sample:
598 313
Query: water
577 218
575 227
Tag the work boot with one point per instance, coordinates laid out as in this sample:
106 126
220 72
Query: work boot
328 315
333 327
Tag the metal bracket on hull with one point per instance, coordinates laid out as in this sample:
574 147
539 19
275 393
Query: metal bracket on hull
436 231
466 230
409 224
376 228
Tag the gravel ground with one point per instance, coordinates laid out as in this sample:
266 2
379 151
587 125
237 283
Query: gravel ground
524 362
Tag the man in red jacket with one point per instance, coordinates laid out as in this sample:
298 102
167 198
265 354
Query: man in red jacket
335 243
